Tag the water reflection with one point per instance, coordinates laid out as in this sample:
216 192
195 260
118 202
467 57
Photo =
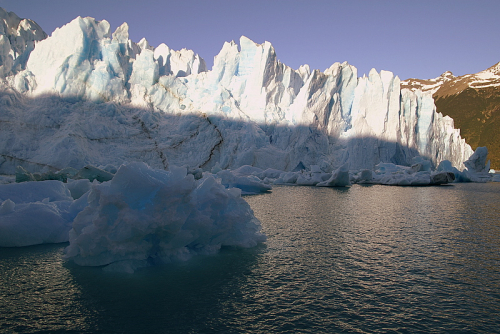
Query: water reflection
181 297
37 293
364 259
399 254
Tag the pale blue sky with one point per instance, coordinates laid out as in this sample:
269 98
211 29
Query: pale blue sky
410 38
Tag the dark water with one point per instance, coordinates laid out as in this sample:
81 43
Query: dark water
360 260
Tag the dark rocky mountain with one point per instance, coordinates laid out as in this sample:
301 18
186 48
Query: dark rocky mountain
473 101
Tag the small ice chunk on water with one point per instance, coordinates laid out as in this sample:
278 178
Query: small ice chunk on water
27 192
7 207
339 178
249 184
34 213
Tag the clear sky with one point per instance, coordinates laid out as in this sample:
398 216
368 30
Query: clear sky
413 39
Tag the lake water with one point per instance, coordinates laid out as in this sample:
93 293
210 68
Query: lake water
367 259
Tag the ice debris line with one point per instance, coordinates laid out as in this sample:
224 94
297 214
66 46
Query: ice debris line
142 216
102 205
90 96
183 210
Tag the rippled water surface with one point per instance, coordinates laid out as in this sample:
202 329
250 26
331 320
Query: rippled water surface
368 259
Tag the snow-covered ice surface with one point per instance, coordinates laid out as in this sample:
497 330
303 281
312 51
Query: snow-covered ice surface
103 99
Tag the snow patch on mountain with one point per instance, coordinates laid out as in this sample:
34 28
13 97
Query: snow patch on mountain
448 84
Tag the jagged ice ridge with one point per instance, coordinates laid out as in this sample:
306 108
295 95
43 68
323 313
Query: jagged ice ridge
86 95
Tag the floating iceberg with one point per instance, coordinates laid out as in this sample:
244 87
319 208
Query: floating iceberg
421 173
407 176
339 178
141 216
249 184
144 216
34 213
315 176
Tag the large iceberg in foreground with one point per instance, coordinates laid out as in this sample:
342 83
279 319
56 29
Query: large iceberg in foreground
141 216
144 216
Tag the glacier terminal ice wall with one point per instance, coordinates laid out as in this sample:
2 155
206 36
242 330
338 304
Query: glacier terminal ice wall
86 95
17 40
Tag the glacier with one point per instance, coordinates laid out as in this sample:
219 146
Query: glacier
155 122
17 40
89 96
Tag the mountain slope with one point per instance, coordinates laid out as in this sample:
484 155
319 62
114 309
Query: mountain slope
473 101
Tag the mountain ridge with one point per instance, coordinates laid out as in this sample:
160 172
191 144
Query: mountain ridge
473 101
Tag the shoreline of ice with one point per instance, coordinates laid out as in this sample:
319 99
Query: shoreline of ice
134 216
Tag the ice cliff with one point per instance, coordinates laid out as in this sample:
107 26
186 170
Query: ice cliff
86 95
17 40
